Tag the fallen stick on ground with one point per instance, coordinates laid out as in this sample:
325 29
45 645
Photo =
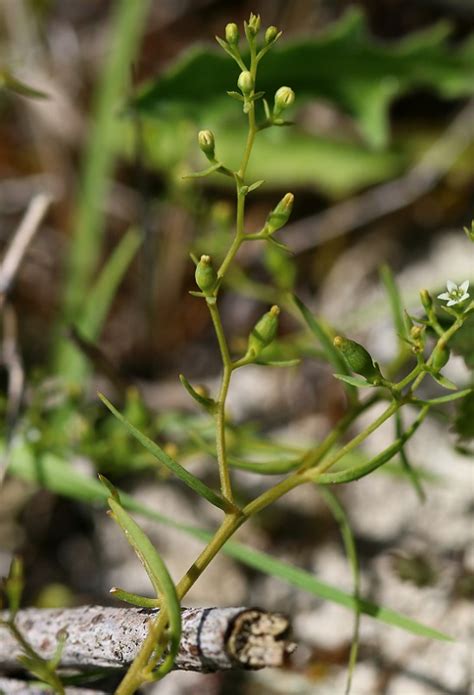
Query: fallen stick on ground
15 686
213 639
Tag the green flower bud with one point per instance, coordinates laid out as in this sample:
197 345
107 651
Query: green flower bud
440 356
426 300
270 34
253 25
280 214
264 331
206 276
245 83
207 143
284 97
357 357
232 34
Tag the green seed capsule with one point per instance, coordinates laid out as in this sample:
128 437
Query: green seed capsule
245 83
440 356
232 34
357 357
280 214
206 276
264 331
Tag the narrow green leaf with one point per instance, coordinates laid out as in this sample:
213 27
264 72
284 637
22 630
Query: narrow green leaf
342 519
357 472
56 474
278 363
180 472
396 305
446 399
204 172
208 403
325 338
304 580
134 599
444 381
100 297
357 381
159 577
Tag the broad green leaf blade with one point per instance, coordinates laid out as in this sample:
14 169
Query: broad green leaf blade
57 475
396 306
342 519
325 339
100 297
180 472
357 381
344 65
158 574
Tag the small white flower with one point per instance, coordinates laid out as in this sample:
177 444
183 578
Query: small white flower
456 293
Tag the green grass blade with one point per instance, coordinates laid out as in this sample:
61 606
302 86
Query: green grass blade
340 516
172 465
409 469
396 306
100 297
359 471
56 474
324 337
159 577
103 145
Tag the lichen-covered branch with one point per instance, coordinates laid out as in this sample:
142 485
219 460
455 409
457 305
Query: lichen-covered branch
213 639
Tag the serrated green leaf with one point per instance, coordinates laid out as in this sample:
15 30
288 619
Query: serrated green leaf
56 474
180 472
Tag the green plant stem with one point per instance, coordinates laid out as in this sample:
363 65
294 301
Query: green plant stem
442 340
313 457
224 475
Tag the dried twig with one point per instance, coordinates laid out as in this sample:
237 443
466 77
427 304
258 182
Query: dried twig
213 639
15 686
21 240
